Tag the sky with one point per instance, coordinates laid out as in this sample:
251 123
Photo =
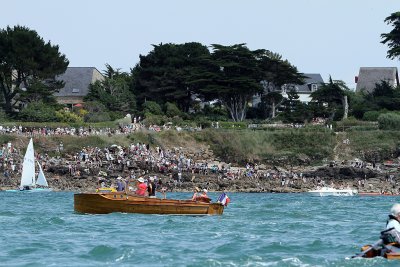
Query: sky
331 37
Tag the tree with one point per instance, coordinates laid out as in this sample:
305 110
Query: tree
272 100
163 75
230 75
25 61
333 94
293 110
114 92
276 72
392 39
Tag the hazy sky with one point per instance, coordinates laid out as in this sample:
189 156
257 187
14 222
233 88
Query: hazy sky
330 37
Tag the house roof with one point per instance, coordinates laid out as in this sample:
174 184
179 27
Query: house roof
368 77
311 78
77 81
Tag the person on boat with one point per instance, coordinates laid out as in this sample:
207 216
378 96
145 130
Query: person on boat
195 193
120 184
141 187
151 187
394 218
162 188
204 194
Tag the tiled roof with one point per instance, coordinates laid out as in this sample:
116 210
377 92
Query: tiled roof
311 78
77 81
370 76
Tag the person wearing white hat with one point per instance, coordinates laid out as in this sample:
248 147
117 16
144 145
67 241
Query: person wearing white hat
394 218
204 195
120 184
141 187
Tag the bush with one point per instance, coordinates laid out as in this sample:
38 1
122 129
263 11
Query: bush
232 125
68 117
203 122
151 119
152 108
389 121
97 112
39 112
171 110
371 115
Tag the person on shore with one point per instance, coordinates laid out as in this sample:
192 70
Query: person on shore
394 218
141 187
151 187
195 193
120 184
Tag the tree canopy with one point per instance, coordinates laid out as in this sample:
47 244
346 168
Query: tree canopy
163 75
392 39
27 65
113 92
232 76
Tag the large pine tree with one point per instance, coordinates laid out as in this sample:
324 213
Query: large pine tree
27 65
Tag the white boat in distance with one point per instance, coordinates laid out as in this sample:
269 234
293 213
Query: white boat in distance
28 181
330 191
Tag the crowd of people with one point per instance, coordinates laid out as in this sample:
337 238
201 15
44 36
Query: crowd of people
139 160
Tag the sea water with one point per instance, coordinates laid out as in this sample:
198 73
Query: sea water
42 229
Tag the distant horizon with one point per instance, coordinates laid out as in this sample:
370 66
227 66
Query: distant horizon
317 36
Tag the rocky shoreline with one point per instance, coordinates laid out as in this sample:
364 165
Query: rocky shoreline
364 180
182 169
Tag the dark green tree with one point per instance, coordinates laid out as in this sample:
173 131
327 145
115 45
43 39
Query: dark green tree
334 96
392 39
293 111
276 73
164 74
232 76
113 92
383 97
25 61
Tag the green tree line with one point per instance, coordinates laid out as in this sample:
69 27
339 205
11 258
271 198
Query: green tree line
182 81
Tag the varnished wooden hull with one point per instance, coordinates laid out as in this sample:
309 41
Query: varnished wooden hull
102 203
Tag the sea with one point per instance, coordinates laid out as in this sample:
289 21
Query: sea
256 229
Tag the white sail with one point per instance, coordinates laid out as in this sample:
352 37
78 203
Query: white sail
28 167
41 180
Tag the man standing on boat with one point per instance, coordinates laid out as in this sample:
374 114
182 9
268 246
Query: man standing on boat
151 187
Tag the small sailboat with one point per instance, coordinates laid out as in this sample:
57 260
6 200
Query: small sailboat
28 181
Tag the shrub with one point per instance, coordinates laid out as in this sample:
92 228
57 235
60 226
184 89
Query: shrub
232 125
68 117
151 119
171 110
152 108
97 112
389 121
371 115
176 120
38 111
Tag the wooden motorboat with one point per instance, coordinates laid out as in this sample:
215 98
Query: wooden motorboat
389 251
108 202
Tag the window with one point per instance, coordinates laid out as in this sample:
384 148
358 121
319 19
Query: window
75 90
314 87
